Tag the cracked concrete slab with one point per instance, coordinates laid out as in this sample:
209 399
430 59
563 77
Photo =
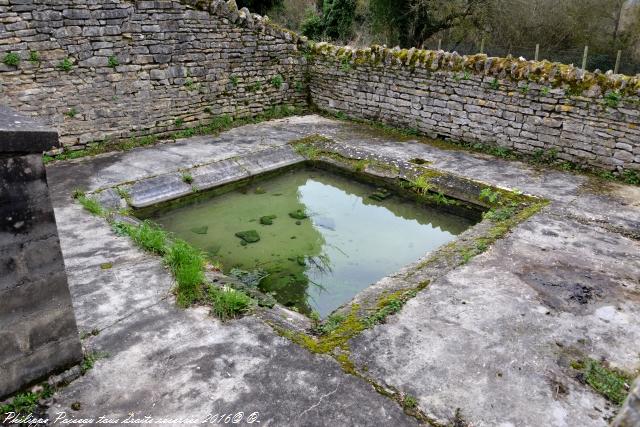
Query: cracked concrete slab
494 337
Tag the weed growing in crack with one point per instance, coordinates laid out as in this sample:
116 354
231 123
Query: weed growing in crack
149 237
489 195
26 403
90 359
501 214
277 81
409 402
34 57
113 62
612 99
228 303
187 265
65 65
89 203
12 59
187 178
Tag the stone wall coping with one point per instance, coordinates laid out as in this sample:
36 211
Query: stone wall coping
20 134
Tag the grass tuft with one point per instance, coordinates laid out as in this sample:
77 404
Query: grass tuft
187 264
89 203
148 236
228 303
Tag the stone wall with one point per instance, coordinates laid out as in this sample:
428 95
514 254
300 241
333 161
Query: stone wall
521 105
38 334
110 69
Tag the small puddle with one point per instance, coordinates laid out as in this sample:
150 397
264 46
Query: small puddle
322 236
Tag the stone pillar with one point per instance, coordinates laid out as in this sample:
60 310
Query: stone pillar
38 332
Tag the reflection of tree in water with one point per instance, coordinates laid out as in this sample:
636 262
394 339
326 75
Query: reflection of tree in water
288 276
290 282
400 207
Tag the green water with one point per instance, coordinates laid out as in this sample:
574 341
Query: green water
348 242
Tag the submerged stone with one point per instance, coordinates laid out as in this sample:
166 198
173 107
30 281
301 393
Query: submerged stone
249 236
200 230
298 214
267 219
260 190
380 194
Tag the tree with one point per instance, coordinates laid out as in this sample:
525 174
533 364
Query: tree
335 22
411 22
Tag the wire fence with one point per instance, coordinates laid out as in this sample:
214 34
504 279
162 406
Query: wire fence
603 61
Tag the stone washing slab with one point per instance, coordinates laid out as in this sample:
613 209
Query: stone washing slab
493 338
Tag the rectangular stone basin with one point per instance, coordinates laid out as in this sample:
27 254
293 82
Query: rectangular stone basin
311 237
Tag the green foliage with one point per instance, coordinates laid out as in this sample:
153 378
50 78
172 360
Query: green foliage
545 91
187 178
11 58
178 122
25 403
613 385
409 402
255 87
421 184
65 65
90 204
489 195
228 303
312 26
631 177
186 264
72 112
524 89
149 237
233 79
34 57
345 65
113 62
331 324
89 360
612 98
335 22
277 81
495 84
541 156
190 84
501 214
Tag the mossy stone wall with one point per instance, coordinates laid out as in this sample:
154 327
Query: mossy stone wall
591 119
110 69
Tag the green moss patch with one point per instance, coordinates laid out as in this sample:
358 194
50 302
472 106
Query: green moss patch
610 383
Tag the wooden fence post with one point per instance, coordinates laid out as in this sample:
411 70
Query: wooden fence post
439 44
584 57
482 45
617 67
535 58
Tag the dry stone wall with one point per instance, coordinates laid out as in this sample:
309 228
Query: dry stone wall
521 105
110 69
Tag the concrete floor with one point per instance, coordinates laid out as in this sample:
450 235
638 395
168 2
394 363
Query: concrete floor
492 338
